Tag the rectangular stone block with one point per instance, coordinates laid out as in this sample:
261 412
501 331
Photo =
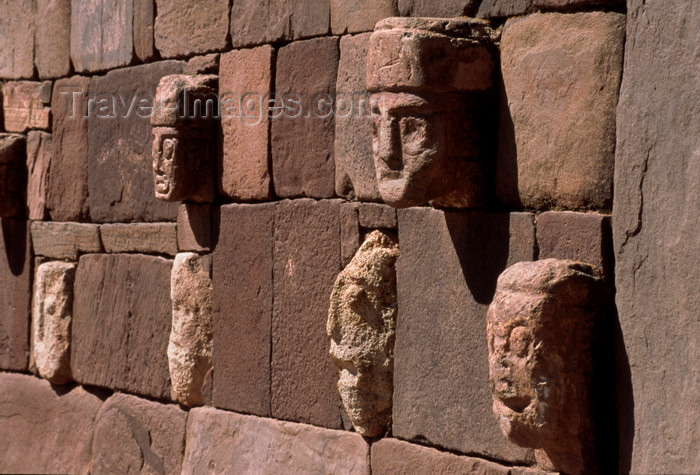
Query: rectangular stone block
52 47
207 64
503 8
67 193
306 72
194 227
120 179
144 46
235 443
25 105
244 80
443 9
55 427
243 296
359 15
38 163
188 27
446 276
101 34
377 216
18 25
137 435
15 294
306 263
121 323
64 240
148 238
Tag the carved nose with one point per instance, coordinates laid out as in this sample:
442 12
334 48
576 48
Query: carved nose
390 144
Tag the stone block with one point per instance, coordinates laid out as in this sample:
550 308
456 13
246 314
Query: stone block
13 175
445 9
245 78
18 24
357 219
101 35
377 216
147 238
207 64
121 323
503 8
64 240
67 194
573 4
235 443
52 38
38 163
446 274
15 294
307 72
243 296
188 27
194 227
25 105
306 263
144 17
133 435
557 133
359 15
120 179
44 430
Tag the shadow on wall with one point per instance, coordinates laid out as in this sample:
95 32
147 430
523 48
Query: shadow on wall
14 234
624 397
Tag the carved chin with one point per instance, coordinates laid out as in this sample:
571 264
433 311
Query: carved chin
521 427
397 192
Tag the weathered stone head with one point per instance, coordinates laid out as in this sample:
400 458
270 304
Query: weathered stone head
429 76
13 175
361 324
540 336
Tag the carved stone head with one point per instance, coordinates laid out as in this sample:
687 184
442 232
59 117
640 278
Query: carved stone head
13 175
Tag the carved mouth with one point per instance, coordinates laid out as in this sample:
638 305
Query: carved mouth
162 184
515 403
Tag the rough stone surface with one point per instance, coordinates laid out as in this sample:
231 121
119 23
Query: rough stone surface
101 34
120 177
359 15
121 323
17 42
13 175
25 105
571 4
233 443
52 38
187 27
207 64
194 227
133 435
245 79
243 296
374 216
15 294
557 133
51 320
144 47
149 238
430 8
503 8
656 217
67 194
306 263
38 163
64 240
42 430
306 71
362 325
190 346
446 277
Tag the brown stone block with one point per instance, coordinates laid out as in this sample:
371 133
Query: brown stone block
307 261
18 25
38 163
431 8
243 296
52 39
188 27
572 4
25 105
245 79
121 323
44 430
357 219
557 133
147 238
194 227
377 216
15 294
120 178
207 64
359 15
235 443
503 8
13 175
133 435
307 72
446 276
64 240
144 13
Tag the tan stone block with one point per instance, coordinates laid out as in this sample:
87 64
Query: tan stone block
148 238
64 240
354 16
52 39
38 164
188 27
25 105
18 24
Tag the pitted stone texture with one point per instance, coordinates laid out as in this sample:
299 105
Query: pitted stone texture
144 47
52 47
306 263
121 323
361 325
18 25
101 34
503 8
120 178
374 216
245 78
188 27
51 320
557 132
430 8
190 346
13 175
243 296
359 15
234 443
133 435
306 70
38 163
15 294
64 240
194 227
67 194
149 238
207 64
25 105
446 276
42 430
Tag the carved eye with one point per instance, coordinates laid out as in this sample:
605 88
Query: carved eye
414 134
520 339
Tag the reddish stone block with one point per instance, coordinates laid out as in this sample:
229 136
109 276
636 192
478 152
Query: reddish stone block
306 71
443 9
306 263
243 296
133 435
244 80
38 163
194 227
148 238
25 105
52 47
17 23
121 323
120 179
187 27
377 216
207 64
144 13
359 15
